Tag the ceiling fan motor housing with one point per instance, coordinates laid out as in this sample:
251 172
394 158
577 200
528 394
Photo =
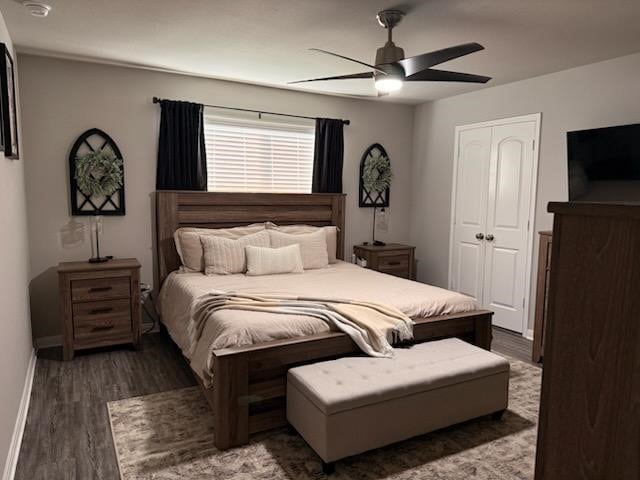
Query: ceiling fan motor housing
389 54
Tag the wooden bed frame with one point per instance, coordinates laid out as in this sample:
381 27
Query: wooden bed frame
248 394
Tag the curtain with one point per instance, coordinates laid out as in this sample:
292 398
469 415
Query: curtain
328 156
182 158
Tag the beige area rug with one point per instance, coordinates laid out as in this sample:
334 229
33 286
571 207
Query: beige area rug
169 436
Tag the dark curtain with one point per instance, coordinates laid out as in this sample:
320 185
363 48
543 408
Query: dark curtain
182 159
328 157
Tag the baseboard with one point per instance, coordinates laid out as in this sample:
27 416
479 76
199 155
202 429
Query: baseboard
56 340
528 334
18 430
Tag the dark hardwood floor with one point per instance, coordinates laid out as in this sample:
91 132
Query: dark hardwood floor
67 434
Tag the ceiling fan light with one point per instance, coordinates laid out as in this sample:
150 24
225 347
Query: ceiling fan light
388 84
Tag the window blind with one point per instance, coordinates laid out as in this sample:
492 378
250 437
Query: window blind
256 156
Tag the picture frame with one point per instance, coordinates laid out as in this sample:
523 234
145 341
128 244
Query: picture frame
8 105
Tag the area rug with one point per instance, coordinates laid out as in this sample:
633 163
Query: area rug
169 436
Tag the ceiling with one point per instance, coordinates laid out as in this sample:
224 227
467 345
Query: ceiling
266 41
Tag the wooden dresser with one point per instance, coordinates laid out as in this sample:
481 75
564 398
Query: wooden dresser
100 304
393 258
542 296
589 425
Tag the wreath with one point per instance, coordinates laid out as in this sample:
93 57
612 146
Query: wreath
99 173
376 173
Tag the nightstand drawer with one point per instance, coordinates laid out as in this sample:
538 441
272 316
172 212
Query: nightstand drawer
98 318
393 262
100 289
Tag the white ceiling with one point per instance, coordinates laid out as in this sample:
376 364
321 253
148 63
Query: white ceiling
266 41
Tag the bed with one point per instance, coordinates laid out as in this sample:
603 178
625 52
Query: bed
248 387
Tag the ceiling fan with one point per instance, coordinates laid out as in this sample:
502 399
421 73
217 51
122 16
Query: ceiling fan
392 69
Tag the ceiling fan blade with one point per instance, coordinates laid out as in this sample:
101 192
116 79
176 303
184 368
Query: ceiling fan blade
418 63
339 77
431 75
349 59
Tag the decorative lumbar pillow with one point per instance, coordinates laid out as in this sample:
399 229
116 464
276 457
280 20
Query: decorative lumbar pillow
331 232
270 261
313 246
224 256
189 246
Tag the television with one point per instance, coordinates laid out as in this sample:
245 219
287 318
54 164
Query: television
604 164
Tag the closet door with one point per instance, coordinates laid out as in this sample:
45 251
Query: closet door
506 234
470 217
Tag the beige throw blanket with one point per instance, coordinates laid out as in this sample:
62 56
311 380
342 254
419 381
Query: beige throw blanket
373 327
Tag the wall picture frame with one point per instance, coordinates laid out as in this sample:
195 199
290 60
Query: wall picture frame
8 105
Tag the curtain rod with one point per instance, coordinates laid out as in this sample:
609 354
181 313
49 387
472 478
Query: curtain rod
259 112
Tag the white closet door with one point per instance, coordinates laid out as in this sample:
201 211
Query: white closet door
506 234
474 148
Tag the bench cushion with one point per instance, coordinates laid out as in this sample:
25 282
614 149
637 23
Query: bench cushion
352 382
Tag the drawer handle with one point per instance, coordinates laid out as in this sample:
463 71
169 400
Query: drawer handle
394 263
100 289
98 311
102 327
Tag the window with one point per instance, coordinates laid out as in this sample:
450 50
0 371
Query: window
258 156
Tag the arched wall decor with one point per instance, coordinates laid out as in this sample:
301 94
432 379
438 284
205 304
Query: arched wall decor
94 140
365 197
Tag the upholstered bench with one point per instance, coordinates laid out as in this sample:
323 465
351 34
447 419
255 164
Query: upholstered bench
348 406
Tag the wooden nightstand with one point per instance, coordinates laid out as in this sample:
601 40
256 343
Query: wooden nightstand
100 304
393 258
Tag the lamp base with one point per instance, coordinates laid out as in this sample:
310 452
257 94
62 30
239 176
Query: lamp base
100 259
379 243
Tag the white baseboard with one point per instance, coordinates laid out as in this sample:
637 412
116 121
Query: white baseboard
528 334
56 340
18 430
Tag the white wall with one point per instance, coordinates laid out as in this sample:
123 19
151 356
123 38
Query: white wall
598 95
62 99
15 340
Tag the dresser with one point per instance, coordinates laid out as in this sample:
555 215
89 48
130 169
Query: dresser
542 296
393 258
589 412
100 304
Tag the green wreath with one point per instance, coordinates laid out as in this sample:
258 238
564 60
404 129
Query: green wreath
99 173
376 173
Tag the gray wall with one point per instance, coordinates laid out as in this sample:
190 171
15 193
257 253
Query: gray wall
15 340
597 95
63 98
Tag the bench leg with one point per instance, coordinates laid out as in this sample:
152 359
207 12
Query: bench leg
328 468
498 415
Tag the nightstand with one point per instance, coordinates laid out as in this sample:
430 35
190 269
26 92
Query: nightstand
100 304
393 258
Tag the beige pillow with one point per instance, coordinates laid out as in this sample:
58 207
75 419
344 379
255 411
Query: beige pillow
189 247
331 232
224 256
313 246
269 261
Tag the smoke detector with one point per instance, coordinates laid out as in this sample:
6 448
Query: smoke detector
37 9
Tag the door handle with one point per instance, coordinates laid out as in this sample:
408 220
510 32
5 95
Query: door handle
479 236
489 238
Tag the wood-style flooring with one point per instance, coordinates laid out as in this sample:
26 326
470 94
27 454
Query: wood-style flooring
67 434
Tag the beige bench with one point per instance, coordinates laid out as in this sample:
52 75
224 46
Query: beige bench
348 406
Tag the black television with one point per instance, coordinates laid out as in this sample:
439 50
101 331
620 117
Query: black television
604 164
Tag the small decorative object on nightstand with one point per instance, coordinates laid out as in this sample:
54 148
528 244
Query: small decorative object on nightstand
100 304
392 258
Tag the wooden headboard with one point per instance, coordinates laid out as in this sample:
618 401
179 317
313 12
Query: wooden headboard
175 209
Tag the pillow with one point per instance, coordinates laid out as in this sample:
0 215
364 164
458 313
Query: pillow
189 247
269 261
223 256
331 232
313 246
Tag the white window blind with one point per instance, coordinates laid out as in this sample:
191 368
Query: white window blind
257 156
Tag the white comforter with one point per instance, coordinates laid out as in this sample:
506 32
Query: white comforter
229 328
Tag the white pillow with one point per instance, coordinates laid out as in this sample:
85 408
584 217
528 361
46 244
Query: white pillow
331 232
189 247
269 261
223 256
313 246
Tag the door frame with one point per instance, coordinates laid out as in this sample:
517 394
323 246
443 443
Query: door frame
533 117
